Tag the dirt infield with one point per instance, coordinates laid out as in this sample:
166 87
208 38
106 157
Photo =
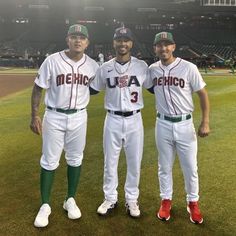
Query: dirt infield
12 83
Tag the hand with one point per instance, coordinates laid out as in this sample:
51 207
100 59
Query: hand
203 129
36 125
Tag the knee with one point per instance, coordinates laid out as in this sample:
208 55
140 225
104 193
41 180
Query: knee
74 161
48 164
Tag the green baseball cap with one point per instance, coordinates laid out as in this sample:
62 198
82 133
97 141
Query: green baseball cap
164 36
78 30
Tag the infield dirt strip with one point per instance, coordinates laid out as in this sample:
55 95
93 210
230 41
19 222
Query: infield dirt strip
12 83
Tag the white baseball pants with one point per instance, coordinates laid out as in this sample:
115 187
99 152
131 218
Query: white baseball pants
121 132
177 137
62 131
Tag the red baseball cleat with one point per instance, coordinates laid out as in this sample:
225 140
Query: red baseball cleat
164 211
195 214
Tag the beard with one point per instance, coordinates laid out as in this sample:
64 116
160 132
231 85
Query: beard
122 52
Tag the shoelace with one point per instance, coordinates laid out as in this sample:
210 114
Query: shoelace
107 204
194 207
71 205
43 211
165 205
133 205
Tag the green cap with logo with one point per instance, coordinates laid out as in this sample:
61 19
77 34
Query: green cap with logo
78 30
164 36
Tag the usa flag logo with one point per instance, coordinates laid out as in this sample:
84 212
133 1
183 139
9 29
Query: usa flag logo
123 81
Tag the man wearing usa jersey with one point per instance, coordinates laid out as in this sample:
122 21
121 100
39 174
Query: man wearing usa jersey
122 79
174 81
65 76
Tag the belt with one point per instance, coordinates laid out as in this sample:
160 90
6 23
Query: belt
68 111
174 119
125 114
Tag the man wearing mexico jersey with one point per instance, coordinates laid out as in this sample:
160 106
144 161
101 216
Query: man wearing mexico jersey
174 81
65 76
122 79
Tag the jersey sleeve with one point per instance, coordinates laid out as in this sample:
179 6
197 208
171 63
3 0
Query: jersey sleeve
148 80
196 80
95 67
44 75
98 83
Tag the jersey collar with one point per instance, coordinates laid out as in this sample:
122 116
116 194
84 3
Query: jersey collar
71 62
171 65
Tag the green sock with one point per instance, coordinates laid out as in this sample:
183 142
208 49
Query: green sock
73 174
46 180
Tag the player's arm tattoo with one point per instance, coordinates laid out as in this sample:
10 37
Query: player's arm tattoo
35 100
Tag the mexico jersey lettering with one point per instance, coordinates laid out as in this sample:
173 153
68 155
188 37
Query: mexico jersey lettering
174 85
122 83
72 78
66 81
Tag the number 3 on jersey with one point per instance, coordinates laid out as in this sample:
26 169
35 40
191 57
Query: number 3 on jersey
135 97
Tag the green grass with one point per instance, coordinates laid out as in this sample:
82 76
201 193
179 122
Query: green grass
19 174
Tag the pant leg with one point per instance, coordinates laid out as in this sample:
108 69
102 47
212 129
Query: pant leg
166 156
53 133
133 146
112 144
75 138
186 145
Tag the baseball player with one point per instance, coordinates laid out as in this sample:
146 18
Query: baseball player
65 76
122 79
174 81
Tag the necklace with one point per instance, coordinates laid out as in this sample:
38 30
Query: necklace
122 72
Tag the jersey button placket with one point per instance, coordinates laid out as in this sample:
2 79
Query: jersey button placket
74 90
122 99
166 90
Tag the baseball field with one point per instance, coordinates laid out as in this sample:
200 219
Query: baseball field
19 169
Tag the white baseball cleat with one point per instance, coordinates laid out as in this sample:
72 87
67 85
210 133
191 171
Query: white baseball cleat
41 219
106 207
72 209
133 209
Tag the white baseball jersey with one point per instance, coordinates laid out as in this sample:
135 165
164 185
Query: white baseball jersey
66 81
123 84
174 85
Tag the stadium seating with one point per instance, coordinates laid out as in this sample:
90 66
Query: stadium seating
37 39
